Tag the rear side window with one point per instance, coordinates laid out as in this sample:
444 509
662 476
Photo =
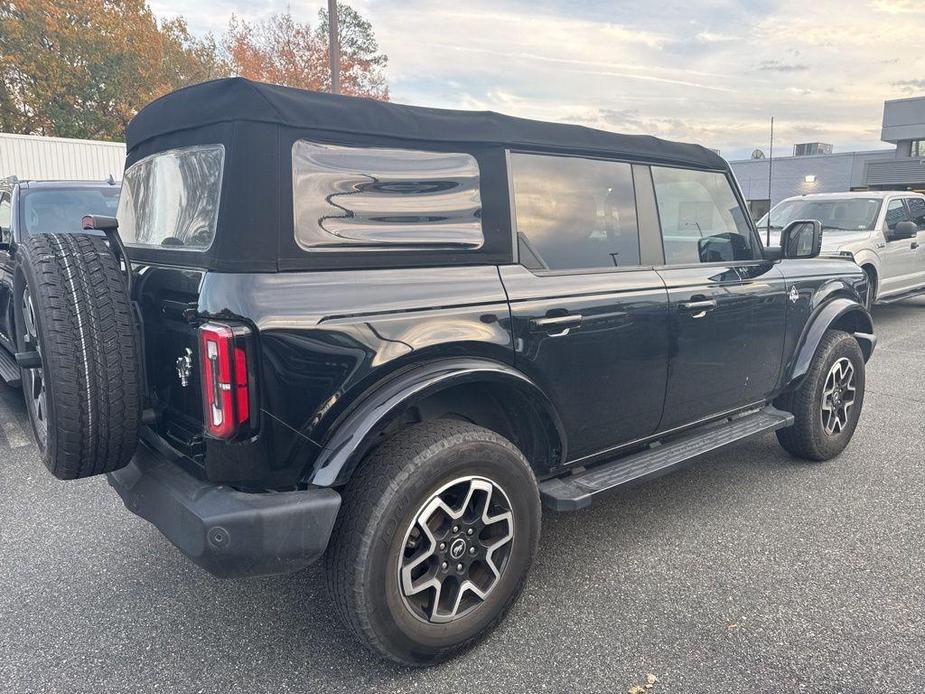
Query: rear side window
574 213
701 219
368 198
170 199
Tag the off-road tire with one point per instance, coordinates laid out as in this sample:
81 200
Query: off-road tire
380 502
807 438
89 349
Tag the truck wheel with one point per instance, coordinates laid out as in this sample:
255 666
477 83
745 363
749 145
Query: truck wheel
828 403
434 540
84 399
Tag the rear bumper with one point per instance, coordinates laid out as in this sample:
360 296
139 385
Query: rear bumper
227 532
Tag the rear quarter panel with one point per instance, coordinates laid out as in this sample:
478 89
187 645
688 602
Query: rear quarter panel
327 337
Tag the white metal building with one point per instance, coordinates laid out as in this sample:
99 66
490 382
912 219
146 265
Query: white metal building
59 158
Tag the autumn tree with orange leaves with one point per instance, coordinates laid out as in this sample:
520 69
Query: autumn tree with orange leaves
283 50
83 68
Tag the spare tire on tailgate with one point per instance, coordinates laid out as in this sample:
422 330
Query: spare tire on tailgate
83 384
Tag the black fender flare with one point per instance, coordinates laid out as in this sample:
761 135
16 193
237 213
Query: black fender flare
824 318
355 434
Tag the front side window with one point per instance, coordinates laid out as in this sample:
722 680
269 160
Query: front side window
701 219
170 199
918 148
370 198
60 210
574 213
917 209
896 212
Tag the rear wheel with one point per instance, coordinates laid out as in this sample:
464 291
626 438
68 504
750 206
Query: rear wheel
84 395
828 403
434 541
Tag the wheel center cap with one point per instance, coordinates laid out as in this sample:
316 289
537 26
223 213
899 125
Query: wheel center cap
458 548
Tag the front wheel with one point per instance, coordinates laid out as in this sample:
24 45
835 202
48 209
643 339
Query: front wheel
828 403
436 535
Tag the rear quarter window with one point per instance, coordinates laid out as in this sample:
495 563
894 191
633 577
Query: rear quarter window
171 199
368 198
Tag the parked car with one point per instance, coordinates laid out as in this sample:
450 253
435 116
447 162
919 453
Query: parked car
383 334
29 208
882 231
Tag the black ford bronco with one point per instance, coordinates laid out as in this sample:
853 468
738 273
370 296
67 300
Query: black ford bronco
385 335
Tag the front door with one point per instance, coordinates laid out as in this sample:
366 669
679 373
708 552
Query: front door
590 322
728 305
901 267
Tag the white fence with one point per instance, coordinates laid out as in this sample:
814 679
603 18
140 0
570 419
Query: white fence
59 158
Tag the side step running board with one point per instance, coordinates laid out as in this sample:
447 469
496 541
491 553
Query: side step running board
912 294
576 491
9 369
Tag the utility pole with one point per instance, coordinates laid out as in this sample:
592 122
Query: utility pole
333 46
770 170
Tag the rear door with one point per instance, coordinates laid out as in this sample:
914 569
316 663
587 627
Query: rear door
728 305
590 320
916 207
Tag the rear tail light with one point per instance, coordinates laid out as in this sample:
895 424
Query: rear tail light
227 386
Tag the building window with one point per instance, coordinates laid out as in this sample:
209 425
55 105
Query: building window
918 149
758 208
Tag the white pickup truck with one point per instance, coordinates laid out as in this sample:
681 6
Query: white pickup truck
884 231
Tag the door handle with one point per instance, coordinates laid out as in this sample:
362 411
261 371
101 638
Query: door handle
697 308
556 326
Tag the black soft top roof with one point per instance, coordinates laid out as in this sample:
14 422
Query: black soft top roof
238 99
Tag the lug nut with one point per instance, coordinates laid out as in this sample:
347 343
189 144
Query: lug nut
469 531
455 528
459 567
442 546
472 550
443 565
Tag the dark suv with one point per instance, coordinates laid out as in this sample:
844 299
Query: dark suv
39 207
384 334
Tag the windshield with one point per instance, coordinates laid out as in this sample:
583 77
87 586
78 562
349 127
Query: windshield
57 210
837 214
170 199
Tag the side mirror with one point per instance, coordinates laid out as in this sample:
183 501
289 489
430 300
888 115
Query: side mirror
95 222
802 239
6 238
903 230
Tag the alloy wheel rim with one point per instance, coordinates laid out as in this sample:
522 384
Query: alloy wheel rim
456 549
36 397
838 397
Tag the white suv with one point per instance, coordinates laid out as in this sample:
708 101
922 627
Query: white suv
884 231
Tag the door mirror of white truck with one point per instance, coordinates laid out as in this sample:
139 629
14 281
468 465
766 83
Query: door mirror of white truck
902 230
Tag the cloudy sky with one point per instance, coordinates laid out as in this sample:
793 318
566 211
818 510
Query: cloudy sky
711 72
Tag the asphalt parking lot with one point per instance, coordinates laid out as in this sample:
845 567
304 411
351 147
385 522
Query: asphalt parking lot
748 572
